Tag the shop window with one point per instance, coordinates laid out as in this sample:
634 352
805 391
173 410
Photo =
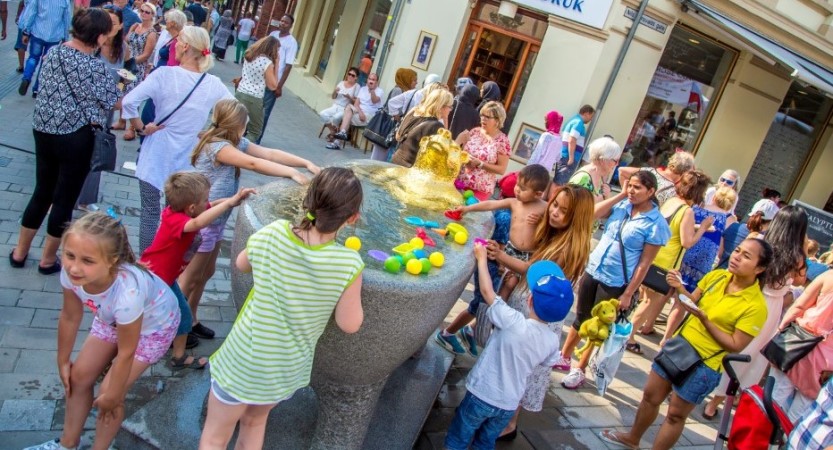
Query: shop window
691 71
370 34
330 38
519 90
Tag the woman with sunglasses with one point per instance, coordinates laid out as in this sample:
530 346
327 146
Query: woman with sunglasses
343 95
488 149
729 179
142 40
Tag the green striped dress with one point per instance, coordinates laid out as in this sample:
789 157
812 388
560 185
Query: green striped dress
268 354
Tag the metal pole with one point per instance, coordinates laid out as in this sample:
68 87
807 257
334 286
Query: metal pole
383 53
617 66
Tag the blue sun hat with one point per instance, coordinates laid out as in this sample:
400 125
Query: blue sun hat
552 293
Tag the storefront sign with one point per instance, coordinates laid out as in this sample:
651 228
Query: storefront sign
820 224
646 20
670 86
588 12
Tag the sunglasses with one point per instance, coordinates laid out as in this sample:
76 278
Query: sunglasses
352 75
727 181
144 11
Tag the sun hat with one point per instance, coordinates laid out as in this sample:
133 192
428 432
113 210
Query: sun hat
552 293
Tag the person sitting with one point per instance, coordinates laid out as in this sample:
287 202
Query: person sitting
343 96
367 103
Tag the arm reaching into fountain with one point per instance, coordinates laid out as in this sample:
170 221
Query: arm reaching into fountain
282 157
231 156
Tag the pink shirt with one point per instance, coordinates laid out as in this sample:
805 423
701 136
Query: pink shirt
486 149
818 319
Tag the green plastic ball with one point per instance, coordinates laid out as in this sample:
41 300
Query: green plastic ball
426 265
393 265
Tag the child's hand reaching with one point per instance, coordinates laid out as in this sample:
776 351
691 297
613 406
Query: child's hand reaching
480 252
493 249
241 195
460 209
313 168
300 178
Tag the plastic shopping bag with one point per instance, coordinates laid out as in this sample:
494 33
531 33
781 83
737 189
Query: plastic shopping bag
606 361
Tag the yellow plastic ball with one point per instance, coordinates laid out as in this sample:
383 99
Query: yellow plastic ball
461 237
414 267
437 259
417 243
353 243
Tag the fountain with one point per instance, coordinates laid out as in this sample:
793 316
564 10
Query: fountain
343 409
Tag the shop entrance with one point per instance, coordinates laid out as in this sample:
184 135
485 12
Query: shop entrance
500 49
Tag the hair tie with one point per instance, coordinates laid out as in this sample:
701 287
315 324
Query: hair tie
310 217
112 213
206 52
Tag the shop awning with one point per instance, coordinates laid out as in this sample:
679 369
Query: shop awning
802 68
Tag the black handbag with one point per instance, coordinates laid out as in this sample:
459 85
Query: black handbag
655 277
789 346
381 127
678 359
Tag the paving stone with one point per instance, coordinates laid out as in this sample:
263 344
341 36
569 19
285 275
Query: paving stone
581 438
228 313
9 296
30 339
596 416
38 361
48 318
210 313
26 415
15 316
41 300
8 359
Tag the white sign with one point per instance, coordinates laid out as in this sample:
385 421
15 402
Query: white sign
647 20
588 12
670 86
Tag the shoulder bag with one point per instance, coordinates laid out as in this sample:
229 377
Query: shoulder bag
635 298
655 277
104 142
380 127
790 346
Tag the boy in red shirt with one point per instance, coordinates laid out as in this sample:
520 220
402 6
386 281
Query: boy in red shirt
177 240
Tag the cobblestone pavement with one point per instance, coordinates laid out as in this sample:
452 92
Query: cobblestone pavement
31 396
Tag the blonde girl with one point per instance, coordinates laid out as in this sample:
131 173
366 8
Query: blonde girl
220 155
283 315
136 317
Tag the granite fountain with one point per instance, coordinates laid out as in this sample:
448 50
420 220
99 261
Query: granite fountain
372 389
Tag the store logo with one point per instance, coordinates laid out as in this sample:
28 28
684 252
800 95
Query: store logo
588 12
575 5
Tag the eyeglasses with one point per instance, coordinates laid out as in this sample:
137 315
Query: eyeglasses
352 75
144 11
484 116
727 181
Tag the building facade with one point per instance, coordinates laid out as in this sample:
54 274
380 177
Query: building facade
747 82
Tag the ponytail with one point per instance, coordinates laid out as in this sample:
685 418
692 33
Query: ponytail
197 38
227 123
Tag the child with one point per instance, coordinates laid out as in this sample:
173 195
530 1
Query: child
497 381
527 208
220 155
136 318
173 246
284 315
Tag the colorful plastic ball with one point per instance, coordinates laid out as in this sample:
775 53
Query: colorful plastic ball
437 259
471 201
461 237
393 265
353 243
426 265
468 193
400 259
407 257
414 267
420 254
417 243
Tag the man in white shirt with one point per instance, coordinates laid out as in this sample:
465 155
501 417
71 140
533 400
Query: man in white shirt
286 57
244 34
367 103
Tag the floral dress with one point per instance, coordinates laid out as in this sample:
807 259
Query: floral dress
137 42
486 149
699 259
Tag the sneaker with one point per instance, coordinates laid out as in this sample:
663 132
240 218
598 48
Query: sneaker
191 341
333 146
450 343
202 331
24 86
574 379
341 135
54 444
471 342
562 364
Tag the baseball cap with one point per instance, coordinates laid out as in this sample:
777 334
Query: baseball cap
552 293
765 206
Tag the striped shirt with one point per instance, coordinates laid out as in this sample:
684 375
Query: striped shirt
268 354
47 20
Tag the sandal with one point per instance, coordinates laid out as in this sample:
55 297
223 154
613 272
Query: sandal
611 437
15 263
129 135
197 363
634 347
706 415
648 333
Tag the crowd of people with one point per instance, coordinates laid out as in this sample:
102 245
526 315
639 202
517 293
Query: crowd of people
669 233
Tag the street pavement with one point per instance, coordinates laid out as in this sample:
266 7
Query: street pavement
31 396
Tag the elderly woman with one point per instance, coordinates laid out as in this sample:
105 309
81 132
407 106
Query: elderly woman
488 150
164 54
604 157
76 92
729 179
223 36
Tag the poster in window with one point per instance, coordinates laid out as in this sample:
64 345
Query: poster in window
424 50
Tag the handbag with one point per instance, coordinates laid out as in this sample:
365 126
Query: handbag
380 127
391 139
790 346
103 157
655 277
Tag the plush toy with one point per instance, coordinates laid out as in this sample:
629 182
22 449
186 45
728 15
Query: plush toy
596 329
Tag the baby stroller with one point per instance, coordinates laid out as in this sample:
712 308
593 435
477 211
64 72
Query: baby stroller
759 423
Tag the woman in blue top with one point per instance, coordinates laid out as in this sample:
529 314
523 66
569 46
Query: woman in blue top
633 221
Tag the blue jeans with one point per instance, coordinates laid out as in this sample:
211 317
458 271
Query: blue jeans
186 320
565 171
37 48
478 420
268 103
503 220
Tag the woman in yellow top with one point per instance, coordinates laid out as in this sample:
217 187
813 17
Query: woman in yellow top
731 311
691 190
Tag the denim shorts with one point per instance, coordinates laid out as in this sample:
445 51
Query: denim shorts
698 385
478 421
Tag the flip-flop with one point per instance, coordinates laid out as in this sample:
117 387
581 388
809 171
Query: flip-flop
706 415
610 438
648 333
634 347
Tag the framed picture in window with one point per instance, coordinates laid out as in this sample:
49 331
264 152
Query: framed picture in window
424 50
525 142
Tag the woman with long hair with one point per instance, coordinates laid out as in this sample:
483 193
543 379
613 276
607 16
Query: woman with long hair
424 120
634 225
257 76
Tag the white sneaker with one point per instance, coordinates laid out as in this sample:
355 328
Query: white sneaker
562 363
574 379
54 444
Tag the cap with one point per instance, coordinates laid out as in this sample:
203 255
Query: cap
552 293
765 206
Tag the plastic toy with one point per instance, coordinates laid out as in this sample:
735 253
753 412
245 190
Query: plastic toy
425 238
468 193
597 328
437 259
461 237
417 243
440 231
454 215
457 232
378 255
403 248
416 221
407 257
393 265
420 253
472 200
353 243
414 267
426 265
481 241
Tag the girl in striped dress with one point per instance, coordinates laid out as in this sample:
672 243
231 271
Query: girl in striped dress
300 277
